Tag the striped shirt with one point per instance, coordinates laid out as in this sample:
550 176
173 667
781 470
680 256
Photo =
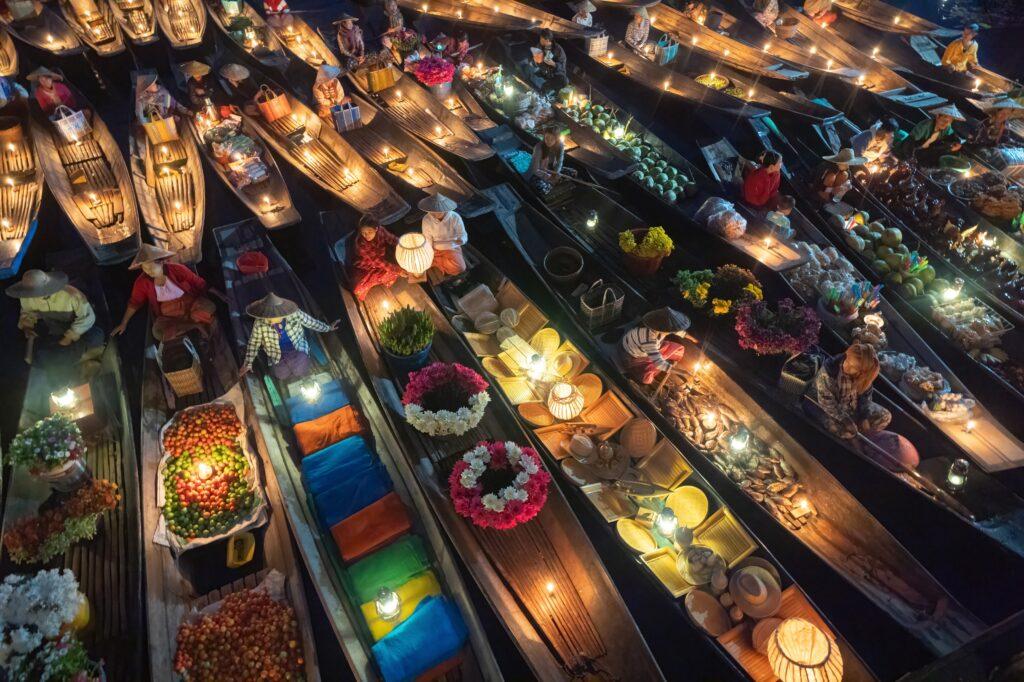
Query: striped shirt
264 337
640 342
637 32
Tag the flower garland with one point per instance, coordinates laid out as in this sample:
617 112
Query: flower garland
433 71
461 384
790 329
48 443
724 289
517 502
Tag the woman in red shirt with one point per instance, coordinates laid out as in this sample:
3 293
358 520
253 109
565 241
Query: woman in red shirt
50 92
173 292
761 184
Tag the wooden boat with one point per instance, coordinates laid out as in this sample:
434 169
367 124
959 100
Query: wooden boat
505 15
20 198
831 532
402 158
170 186
183 22
315 149
462 103
95 24
578 622
884 17
44 30
137 19
249 32
663 467
108 567
175 586
412 107
91 183
299 38
333 366
8 55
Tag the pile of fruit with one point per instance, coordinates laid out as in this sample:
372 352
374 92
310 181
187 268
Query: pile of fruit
655 173
891 259
250 637
207 476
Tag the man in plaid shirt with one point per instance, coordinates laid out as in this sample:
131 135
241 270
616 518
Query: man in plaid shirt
279 330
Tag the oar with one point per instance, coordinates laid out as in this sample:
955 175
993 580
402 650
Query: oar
30 349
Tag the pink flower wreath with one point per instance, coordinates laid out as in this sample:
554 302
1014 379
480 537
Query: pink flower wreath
523 484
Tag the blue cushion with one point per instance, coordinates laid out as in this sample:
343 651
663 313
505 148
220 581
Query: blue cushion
332 398
430 636
344 499
327 467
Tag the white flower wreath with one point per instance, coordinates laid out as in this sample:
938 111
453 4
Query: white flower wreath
446 422
479 457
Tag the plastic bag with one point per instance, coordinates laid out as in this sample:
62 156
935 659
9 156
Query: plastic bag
728 223
711 206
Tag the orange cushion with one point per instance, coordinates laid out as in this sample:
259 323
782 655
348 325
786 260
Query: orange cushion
441 669
371 527
329 429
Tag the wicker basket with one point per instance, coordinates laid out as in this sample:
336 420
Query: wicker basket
601 304
188 380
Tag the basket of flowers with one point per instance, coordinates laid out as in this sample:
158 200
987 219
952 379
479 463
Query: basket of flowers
436 73
789 329
719 292
499 485
644 249
405 41
53 450
445 399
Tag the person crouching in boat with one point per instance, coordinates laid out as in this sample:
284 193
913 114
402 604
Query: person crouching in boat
547 68
10 90
646 349
992 131
327 91
639 29
393 14
961 55
153 101
278 14
242 86
761 182
766 13
50 91
832 179
933 138
842 393
197 86
174 294
350 38
444 228
373 258
820 11
279 330
875 143
61 321
584 13
694 10
548 160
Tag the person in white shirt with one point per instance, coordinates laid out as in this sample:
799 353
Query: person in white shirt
446 232
584 13
638 29
646 349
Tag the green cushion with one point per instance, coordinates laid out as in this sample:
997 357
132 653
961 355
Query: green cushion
390 567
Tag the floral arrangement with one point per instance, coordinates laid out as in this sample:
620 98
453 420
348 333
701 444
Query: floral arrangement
721 290
790 328
499 485
850 300
656 243
433 71
445 399
405 40
35 539
48 443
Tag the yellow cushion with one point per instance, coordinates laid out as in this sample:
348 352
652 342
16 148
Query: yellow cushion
411 594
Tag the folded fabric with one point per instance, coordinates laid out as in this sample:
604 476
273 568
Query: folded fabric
433 634
332 397
350 497
340 462
389 567
410 595
370 528
329 429
441 669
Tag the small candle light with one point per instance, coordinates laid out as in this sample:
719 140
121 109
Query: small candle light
398 94
64 399
977 83
437 131
860 79
666 522
874 52
619 132
828 64
814 49
388 604
310 390
801 504
709 419
768 242
766 46
949 294
666 85
508 91
956 478
693 40
550 587
592 219
725 52
537 367
49 38
266 199
611 55
385 305
750 92
738 442
699 367
969 426
896 20
203 470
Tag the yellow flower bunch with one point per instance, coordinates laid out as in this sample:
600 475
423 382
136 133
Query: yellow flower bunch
720 306
755 291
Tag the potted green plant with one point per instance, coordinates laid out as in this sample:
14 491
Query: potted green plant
644 249
406 335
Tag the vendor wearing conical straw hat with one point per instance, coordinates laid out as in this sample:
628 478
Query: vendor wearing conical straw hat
446 232
153 101
832 179
279 330
584 13
646 349
930 139
49 90
327 90
196 74
174 294
992 130
350 37
639 29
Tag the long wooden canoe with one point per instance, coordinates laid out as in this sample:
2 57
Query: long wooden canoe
316 149
840 528
299 38
608 497
8 55
91 183
46 31
20 198
331 362
410 105
250 33
478 16
183 22
170 187
408 162
884 17
137 19
108 567
95 24
171 593
543 577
